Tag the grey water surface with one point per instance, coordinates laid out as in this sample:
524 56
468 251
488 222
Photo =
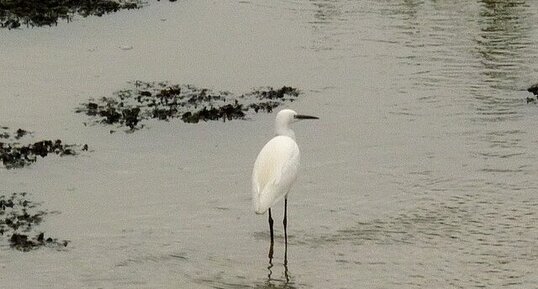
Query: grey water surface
422 171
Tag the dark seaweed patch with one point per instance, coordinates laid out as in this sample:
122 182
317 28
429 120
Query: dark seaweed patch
18 218
533 89
285 91
16 155
163 101
14 13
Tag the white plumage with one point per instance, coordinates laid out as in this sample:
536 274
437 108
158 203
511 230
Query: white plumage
275 169
274 172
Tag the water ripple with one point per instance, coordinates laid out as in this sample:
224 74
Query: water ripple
494 238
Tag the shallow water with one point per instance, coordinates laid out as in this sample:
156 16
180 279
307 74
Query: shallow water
421 172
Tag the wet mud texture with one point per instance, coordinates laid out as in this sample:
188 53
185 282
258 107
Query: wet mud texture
16 155
163 101
14 13
18 219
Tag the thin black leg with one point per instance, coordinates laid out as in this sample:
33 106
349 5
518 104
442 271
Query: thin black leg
272 236
285 222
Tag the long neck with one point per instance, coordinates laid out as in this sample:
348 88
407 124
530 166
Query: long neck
284 129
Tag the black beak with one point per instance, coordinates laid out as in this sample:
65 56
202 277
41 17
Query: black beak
301 116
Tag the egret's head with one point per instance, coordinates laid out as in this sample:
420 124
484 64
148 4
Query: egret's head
286 117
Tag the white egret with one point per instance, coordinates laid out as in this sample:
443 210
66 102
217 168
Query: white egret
275 169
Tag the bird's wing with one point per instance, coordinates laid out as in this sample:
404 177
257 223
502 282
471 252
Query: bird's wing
274 172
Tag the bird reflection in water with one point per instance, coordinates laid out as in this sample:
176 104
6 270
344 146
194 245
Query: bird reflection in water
277 283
